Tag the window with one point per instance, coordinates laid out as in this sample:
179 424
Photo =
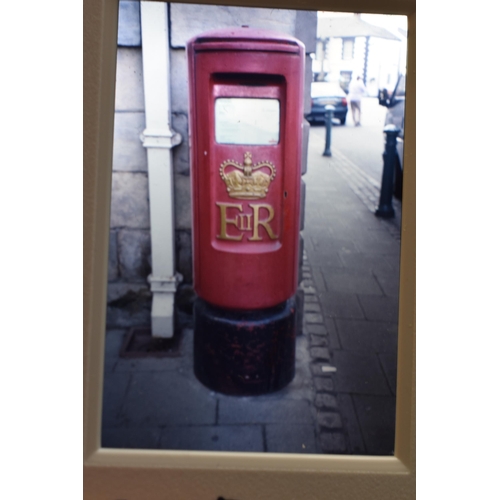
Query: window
347 48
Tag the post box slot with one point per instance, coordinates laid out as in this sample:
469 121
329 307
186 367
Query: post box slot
247 108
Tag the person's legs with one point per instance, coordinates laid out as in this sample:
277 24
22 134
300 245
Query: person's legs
356 112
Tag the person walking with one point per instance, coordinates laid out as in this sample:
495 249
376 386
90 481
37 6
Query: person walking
357 90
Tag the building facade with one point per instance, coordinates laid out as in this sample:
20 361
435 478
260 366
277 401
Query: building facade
150 253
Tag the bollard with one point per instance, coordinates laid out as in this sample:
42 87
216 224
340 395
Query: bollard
328 125
385 208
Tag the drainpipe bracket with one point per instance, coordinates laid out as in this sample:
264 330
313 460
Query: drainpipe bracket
164 284
160 138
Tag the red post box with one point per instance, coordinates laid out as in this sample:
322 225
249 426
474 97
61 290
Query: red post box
246 112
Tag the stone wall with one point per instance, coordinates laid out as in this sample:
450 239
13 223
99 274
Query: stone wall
130 246
129 298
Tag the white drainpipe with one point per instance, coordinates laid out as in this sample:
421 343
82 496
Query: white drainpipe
159 139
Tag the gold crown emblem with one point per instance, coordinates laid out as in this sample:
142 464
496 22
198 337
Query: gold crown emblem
245 183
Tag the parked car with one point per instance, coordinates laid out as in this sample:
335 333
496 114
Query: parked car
394 101
323 94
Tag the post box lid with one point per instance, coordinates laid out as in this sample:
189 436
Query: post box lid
245 38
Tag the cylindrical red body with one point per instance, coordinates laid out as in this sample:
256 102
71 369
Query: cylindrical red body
246 111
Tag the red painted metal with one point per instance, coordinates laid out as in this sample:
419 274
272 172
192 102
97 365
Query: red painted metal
252 262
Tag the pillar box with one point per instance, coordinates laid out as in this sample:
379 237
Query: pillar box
246 111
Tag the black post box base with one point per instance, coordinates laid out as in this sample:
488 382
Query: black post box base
244 353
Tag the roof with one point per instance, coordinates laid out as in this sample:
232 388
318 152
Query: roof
350 26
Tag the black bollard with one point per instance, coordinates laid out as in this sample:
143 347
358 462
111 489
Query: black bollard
328 125
385 208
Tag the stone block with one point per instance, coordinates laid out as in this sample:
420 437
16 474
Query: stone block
182 202
284 438
316 329
118 292
311 299
316 318
129 200
214 438
317 369
184 255
332 442
129 23
333 336
181 152
128 151
190 20
329 420
129 80
326 401
323 384
112 257
320 353
312 307
129 305
319 282
319 341
179 82
134 250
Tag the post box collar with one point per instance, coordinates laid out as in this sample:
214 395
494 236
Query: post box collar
249 38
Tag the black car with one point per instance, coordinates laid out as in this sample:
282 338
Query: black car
323 94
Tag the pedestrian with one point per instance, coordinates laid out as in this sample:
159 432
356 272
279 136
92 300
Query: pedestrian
357 90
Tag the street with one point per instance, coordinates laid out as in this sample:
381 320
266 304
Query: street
362 145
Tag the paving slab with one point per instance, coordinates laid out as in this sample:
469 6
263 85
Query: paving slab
360 373
368 336
214 438
114 391
389 362
366 262
341 305
377 308
122 437
156 398
376 415
291 438
388 282
251 411
113 342
350 422
346 281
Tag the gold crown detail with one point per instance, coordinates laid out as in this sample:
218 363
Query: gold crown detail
244 183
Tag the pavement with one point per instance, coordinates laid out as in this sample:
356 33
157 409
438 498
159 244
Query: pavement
342 399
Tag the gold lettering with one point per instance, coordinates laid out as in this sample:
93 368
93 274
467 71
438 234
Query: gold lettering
248 225
224 221
264 223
